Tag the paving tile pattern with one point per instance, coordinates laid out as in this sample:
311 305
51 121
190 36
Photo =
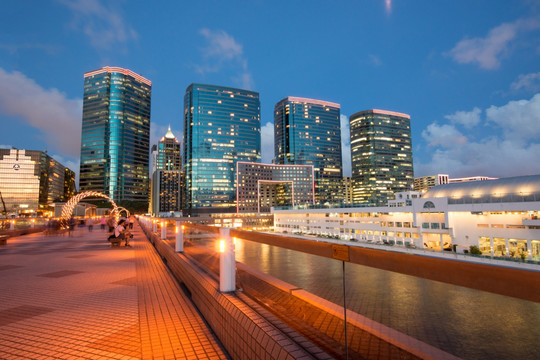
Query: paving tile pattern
74 297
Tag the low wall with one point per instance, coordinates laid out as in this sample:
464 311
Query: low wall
241 330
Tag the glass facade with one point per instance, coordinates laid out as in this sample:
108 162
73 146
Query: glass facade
116 134
222 126
307 132
31 180
262 186
381 155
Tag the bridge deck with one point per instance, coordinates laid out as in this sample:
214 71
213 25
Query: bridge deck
74 297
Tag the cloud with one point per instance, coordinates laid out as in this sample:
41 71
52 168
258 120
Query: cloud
509 148
13 49
104 26
345 145
47 110
223 51
487 51
5 146
519 120
444 135
529 82
375 60
267 142
221 45
468 119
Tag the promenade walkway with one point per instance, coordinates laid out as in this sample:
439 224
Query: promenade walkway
74 297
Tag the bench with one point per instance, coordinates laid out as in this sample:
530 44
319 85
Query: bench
114 241
3 239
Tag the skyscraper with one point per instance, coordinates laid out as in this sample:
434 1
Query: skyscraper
31 180
165 195
222 126
307 132
381 155
116 134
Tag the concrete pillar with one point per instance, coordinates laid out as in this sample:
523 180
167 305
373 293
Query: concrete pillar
506 247
179 237
441 242
529 249
12 225
163 229
491 246
154 226
227 262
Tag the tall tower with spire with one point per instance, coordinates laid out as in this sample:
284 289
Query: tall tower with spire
165 194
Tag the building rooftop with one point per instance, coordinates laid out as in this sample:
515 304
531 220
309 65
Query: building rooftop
524 185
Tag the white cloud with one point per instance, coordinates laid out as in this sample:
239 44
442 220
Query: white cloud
48 110
223 51
520 120
468 119
345 145
221 45
512 148
267 142
375 60
530 82
487 51
5 146
445 135
104 26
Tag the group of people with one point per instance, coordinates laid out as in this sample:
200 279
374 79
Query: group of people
121 230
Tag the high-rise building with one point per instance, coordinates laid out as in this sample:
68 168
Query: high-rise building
347 190
424 183
165 195
168 153
381 155
222 126
31 180
115 139
307 132
263 186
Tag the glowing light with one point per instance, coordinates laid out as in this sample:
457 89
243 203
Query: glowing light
388 5
221 246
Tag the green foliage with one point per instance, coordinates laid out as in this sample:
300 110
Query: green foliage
474 250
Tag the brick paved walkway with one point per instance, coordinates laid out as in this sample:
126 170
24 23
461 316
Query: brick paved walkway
75 297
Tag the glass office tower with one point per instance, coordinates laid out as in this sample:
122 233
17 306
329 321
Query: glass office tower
308 132
381 155
222 126
116 134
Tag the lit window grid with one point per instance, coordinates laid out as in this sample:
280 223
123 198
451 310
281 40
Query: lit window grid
219 130
381 156
115 135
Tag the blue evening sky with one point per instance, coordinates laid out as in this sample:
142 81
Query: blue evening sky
467 72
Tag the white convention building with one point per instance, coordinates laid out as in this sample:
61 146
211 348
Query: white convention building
500 217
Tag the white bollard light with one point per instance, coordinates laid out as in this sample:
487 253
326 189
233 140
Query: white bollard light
12 225
227 263
179 237
154 226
